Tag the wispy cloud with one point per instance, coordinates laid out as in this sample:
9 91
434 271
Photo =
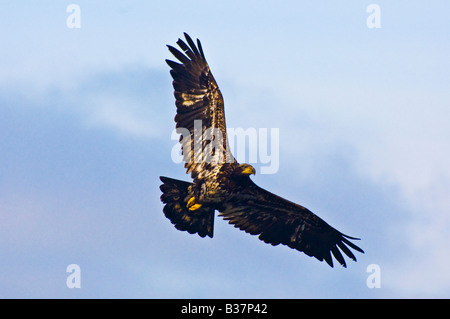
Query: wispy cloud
363 141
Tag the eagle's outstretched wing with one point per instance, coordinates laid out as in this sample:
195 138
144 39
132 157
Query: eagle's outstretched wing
279 221
198 98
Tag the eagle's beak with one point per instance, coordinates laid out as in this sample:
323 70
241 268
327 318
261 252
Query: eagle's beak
249 170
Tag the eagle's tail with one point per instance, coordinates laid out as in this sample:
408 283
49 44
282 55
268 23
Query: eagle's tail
175 197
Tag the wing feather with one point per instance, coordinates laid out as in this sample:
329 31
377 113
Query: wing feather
279 221
197 97
192 46
180 56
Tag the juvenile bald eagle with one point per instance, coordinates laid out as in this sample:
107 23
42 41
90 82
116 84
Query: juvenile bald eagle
223 184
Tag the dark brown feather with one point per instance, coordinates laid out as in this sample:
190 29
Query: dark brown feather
175 196
197 97
279 221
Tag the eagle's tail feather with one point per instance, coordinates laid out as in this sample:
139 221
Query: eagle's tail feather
175 197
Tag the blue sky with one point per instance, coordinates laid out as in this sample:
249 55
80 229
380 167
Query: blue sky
86 117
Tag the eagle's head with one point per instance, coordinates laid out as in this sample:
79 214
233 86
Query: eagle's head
245 170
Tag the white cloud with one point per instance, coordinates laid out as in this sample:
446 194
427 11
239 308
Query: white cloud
120 114
399 139
131 101
386 101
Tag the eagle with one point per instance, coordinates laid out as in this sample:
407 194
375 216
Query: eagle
220 183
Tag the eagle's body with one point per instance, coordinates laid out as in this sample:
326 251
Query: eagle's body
220 183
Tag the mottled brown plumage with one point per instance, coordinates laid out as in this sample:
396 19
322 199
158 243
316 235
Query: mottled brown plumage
222 183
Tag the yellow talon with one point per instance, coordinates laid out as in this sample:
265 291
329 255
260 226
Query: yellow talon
190 202
195 206
192 205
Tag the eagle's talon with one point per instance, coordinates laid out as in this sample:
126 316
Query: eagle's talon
192 205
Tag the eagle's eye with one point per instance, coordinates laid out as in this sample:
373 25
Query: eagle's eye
246 169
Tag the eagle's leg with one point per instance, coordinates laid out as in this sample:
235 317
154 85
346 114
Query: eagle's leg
192 204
